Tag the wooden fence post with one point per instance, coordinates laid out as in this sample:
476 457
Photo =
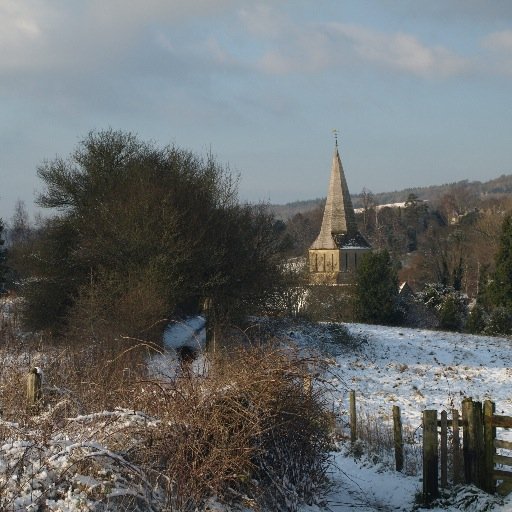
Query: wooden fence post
353 417
444 449
479 445
398 439
473 443
467 442
209 314
456 478
489 449
308 385
34 384
430 456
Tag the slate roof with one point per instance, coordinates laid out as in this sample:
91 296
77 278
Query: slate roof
355 241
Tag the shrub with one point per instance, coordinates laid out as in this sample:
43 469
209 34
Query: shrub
143 233
476 320
248 431
326 303
500 321
448 305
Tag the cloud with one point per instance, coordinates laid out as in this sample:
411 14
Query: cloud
400 51
307 53
499 45
37 34
443 11
499 41
263 21
313 46
21 31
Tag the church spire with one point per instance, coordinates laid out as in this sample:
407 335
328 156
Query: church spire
339 217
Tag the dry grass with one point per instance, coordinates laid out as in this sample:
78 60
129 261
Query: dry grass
247 431
252 430
375 439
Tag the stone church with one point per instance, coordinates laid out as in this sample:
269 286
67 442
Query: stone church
334 255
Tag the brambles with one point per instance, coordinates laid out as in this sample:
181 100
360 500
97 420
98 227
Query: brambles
248 431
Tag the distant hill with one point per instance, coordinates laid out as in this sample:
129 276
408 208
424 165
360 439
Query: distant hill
288 210
495 187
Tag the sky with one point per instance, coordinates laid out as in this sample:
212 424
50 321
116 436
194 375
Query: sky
419 91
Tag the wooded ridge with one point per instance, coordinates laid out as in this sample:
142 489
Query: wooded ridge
494 187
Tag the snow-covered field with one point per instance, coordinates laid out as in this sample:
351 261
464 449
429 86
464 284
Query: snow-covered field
419 369
416 370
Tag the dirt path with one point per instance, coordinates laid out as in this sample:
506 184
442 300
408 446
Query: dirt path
366 489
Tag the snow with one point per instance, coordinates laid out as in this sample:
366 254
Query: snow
381 206
189 332
76 470
416 370
369 487
420 369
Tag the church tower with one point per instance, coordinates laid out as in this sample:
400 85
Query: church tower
334 255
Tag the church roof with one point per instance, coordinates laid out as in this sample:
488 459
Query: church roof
339 228
353 241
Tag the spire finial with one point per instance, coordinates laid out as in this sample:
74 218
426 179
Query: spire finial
335 131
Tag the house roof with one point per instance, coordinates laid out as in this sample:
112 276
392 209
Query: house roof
339 228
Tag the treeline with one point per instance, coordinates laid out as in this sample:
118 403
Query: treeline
451 240
448 251
494 188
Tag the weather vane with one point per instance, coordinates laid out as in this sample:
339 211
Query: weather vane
335 136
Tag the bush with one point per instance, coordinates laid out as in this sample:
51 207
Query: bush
251 429
499 322
246 432
476 320
144 233
450 314
329 304
448 305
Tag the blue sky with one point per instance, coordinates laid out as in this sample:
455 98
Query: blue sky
420 91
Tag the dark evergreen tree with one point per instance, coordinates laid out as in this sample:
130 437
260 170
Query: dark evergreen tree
376 289
476 320
500 287
447 305
499 321
452 312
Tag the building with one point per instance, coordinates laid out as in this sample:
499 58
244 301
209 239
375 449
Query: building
334 255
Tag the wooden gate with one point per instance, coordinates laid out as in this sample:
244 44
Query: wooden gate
492 442
481 464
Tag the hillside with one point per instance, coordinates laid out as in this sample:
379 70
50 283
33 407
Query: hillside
495 187
416 370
